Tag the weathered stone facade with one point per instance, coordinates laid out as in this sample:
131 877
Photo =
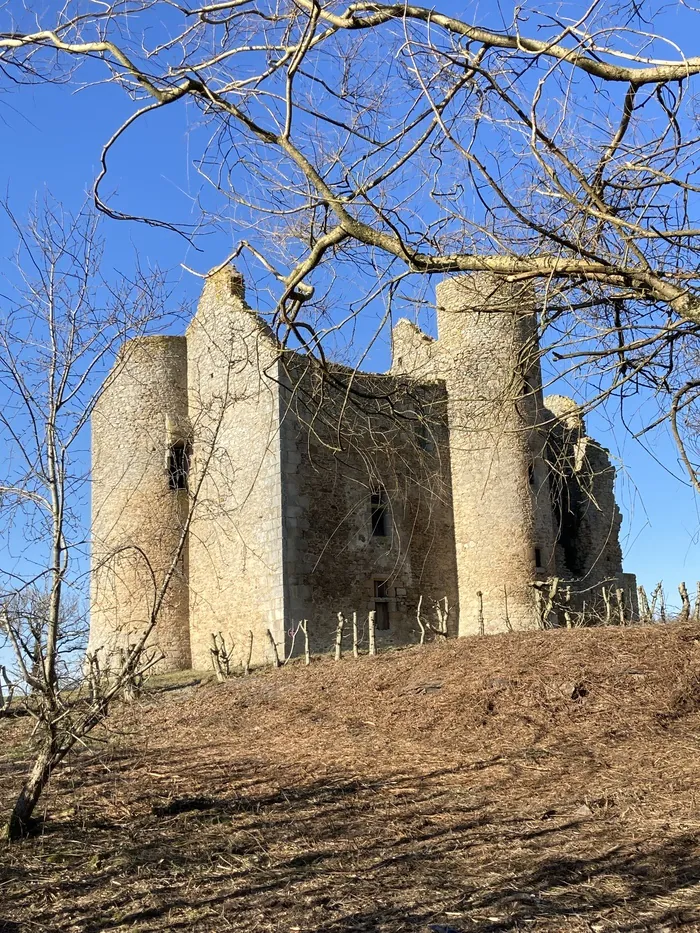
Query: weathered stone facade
300 493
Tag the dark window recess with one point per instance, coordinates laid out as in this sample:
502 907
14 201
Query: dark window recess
380 518
531 473
538 557
425 441
381 604
178 465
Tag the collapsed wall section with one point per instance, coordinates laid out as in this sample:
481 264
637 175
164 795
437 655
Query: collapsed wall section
140 503
587 516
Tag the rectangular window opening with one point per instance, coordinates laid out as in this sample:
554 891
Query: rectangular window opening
379 510
381 604
423 436
538 558
178 465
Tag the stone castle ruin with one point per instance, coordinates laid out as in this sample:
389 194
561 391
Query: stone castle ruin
273 490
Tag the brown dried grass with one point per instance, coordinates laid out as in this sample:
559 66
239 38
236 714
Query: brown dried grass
540 781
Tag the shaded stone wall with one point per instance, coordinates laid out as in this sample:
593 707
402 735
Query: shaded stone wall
137 519
336 450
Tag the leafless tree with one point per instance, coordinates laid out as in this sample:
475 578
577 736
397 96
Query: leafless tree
560 146
384 144
62 321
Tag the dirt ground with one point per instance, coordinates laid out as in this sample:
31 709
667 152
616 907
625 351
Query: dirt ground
540 781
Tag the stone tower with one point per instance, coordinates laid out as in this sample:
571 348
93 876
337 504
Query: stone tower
140 453
489 358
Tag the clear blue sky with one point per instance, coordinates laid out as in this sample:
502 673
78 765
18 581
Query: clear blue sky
51 142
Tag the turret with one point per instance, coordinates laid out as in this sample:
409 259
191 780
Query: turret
489 358
140 458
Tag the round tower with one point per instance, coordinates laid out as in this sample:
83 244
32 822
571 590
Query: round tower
140 459
489 358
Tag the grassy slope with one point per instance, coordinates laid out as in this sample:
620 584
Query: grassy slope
543 781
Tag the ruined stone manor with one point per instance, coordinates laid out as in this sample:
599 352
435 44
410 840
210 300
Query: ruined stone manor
273 489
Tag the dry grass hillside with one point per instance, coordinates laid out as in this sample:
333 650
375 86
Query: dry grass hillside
544 781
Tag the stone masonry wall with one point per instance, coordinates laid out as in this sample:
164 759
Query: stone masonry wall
236 574
337 450
137 519
502 510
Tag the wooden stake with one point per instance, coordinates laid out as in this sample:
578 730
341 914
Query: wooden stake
644 611
509 627
685 604
480 612
551 596
246 669
620 597
216 659
355 637
307 653
275 653
371 623
420 621
442 615
567 611
339 636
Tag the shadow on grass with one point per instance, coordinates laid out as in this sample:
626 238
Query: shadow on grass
270 850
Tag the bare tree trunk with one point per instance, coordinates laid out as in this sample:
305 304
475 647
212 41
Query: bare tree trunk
685 603
371 623
21 820
608 606
5 704
696 608
275 652
339 636
355 638
480 612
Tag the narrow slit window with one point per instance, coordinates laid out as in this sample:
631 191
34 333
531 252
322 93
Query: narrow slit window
381 604
538 557
531 473
178 465
379 510
423 436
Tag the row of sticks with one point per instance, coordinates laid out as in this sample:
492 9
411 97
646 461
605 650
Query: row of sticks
222 654
648 608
